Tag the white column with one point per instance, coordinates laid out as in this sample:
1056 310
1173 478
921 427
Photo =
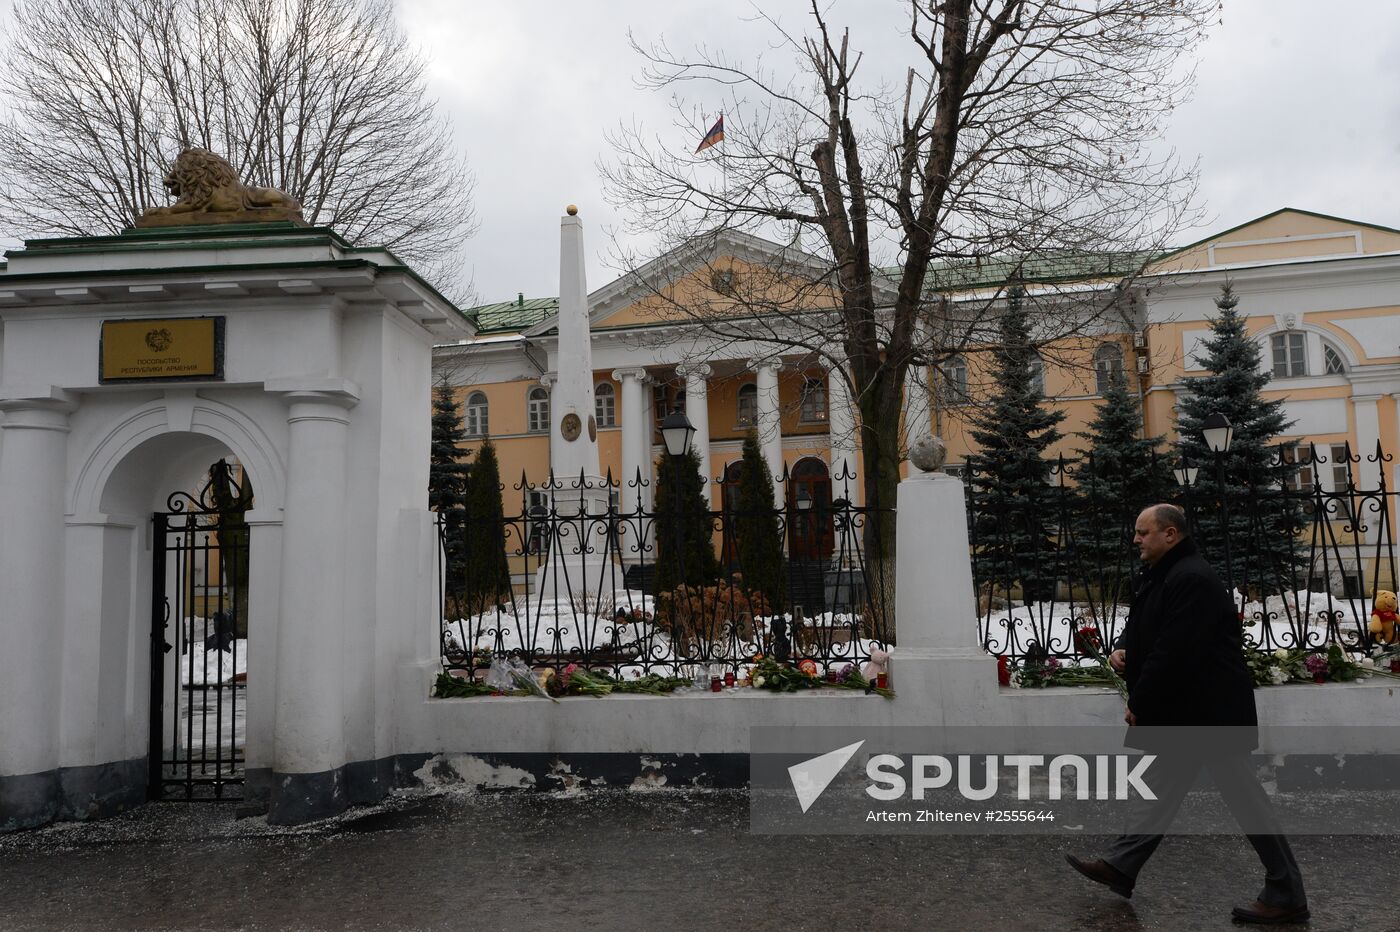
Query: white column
32 466
841 426
636 447
1368 434
770 427
697 408
309 739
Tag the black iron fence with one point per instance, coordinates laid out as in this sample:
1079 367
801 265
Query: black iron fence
568 575
1304 549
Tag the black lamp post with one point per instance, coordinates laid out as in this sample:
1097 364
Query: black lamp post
1217 432
676 433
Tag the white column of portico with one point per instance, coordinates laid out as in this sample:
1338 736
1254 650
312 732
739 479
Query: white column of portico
1368 434
309 737
769 426
636 450
841 427
697 408
32 467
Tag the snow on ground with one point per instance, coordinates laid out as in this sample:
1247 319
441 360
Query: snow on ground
202 666
559 627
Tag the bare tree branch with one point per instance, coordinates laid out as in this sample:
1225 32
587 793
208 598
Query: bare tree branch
1022 133
322 99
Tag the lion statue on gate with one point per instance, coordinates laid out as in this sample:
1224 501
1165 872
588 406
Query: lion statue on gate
208 191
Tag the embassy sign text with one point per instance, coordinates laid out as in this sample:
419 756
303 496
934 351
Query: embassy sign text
162 349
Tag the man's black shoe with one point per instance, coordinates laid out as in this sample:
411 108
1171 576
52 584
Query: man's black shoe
1100 871
1260 913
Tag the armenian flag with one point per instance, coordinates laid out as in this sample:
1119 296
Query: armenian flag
714 137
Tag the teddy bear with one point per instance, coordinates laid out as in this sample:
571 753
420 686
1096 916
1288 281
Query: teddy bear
1383 617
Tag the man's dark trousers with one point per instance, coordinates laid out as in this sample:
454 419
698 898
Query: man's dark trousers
1234 776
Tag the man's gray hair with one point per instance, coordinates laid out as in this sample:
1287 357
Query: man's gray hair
1167 515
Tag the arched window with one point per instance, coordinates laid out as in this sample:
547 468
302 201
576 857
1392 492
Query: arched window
813 401
477 410
952 380
1108 366
1037 372
748 405
538 410
1332 360
605 404
1290 354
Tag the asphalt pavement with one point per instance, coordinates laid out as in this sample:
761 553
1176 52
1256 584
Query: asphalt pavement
662 860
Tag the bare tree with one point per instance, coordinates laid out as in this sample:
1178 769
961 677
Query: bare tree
1021 133
323 99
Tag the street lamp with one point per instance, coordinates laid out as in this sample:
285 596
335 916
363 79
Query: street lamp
1185 473
1217 432
676 431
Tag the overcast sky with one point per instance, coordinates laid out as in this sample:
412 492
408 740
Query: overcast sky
1295 105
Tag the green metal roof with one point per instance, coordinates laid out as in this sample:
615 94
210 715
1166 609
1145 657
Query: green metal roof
512 316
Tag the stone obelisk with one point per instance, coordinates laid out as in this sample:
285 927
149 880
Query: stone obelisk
580 491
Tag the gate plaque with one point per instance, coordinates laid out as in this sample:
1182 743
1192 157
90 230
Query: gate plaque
164 349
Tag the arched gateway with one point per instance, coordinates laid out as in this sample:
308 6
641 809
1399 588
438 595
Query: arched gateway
128 365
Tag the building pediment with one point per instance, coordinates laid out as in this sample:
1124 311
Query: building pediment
1286 235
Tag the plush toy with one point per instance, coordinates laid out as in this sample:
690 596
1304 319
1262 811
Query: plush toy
1383 618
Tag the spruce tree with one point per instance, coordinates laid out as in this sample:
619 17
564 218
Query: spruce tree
1012 502
487 574
1263 522
447 484
1120 473
685 552
758 539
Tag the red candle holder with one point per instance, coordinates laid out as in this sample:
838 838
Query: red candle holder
715 684
729 678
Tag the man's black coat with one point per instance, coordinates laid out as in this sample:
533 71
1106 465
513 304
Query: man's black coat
1185 659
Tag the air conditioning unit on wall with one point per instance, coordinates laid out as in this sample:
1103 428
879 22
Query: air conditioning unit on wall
1139 339
1142 365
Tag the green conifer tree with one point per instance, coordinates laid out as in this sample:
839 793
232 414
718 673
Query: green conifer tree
1013 506
1120 473
757 537
1263 523
447 484
487 574
685 552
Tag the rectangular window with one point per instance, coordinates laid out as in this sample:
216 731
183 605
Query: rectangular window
1290 360
1299 479
813 401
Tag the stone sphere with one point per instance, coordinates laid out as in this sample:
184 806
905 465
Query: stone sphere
572 210
928 454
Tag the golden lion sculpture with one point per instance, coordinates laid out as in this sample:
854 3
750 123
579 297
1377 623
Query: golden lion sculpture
208 191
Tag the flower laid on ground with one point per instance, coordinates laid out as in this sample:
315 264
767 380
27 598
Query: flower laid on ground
1282 665
451 687
769 674
1087 640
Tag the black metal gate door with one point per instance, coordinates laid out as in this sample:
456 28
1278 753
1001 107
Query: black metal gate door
199 619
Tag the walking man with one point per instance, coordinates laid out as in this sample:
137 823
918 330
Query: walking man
1191 702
